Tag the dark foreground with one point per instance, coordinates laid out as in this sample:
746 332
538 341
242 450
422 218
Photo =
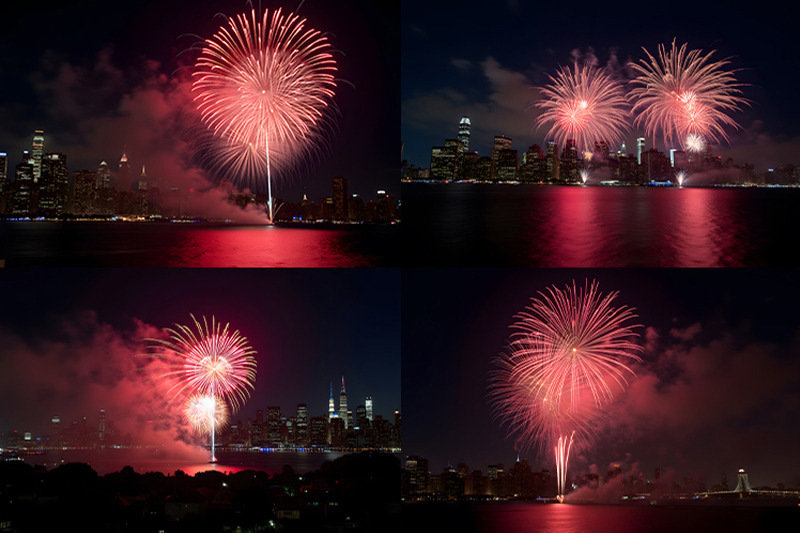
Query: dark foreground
357 492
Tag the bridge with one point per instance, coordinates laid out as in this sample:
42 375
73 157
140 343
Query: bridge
744 490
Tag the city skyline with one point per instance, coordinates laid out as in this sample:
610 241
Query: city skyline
122 84
457 159
715 391
459 68
41 185
76 355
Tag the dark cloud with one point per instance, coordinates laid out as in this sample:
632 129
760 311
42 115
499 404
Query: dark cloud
728 399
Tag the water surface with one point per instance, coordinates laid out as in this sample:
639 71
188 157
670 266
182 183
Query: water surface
164 244
575 226
503 517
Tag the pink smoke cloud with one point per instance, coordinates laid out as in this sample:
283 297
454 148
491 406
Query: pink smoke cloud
86 365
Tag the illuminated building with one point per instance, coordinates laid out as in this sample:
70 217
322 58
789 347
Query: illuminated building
639 149
446 160
23 187
83 192
507 164
534 165
53 185
141 185
463 133
103 176
274 425
104 201
368 407
3 168
124 173
37 153
343 405
318 431
501 142
331 407
569 164
302 425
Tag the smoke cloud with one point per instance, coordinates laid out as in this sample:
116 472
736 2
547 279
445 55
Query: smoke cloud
81 365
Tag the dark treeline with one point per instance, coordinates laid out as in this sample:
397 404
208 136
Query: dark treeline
357 492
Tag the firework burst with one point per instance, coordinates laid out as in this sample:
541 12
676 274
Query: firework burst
265 86
694 143
584 104
567 356
206 412
211 367
683 95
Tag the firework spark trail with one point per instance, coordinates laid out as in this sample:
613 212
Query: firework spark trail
585 104
266 85
683 93
563 447
207 361
568 355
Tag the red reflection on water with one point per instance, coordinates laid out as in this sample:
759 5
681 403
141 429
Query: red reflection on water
692 234
261 246
611 226
577 219
561 518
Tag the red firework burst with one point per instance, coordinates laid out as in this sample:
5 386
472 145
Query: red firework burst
585 104
264 86
211 366
208 360
567 357
683 95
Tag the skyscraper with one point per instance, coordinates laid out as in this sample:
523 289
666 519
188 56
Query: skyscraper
343 404
37 153
141 185
3 166
302 425
368 405
124 175
23 186
501 142
103 176
463 133
361 416
4 187
53 184
340 211
331 406
639 149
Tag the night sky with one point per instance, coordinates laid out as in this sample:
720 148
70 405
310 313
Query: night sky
485 61
97 75
68 336
718 388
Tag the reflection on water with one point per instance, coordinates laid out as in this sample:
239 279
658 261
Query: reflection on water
143 460
502 517
552 226
164 244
